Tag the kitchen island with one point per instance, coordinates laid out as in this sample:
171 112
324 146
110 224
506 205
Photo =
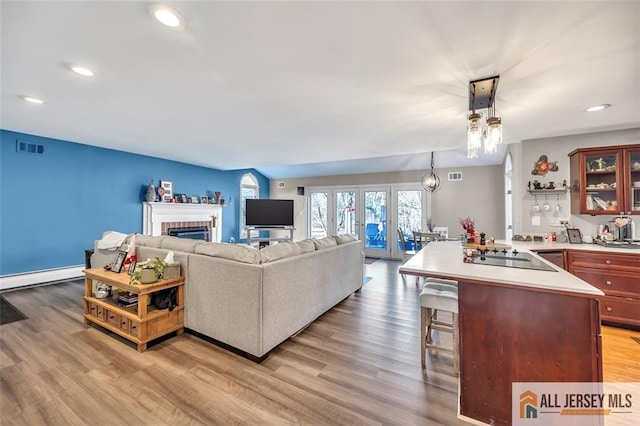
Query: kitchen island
516 325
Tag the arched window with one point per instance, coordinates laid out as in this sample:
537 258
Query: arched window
249 188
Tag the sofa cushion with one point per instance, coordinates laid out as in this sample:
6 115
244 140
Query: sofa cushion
148 241
186 245
306 246
279 251
323 243
345 238
238 252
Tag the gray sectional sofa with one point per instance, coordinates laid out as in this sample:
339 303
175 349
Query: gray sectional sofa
252 300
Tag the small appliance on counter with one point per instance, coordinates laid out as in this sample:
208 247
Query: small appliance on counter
622 228
619 233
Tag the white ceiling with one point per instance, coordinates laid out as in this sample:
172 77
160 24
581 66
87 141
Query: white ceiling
299 89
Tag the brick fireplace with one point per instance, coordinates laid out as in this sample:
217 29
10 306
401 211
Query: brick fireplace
181 219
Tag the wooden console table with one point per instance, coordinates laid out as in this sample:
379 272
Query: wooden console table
141 323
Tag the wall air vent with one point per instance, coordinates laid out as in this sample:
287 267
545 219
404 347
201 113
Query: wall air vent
29 148
455 175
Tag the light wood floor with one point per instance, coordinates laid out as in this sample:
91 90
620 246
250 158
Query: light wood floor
358 364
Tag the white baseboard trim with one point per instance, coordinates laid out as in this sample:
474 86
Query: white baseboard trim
39 277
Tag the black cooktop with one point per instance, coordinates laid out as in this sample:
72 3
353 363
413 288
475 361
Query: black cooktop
507 259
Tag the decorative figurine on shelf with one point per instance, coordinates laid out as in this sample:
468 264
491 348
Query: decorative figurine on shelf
151 193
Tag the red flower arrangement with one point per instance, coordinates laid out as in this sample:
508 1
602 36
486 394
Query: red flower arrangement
468 224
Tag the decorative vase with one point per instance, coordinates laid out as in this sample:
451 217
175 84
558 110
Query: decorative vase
151 193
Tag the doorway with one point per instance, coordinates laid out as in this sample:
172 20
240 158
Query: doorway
373 213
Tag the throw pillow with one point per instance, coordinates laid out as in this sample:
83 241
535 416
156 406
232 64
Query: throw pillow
186 245
238 252
345 238
148 241
279 251
306 246
323 243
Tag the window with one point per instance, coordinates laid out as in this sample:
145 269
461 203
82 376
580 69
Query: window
249 188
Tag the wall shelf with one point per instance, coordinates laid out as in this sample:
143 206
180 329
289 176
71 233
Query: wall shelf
556 191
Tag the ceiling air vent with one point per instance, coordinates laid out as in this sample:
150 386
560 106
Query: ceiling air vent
455 175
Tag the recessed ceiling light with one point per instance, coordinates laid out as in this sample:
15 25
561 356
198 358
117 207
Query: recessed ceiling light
596 108
167 16
32 99
79 69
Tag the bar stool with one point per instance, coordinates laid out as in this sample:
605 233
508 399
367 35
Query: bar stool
434 297
434 316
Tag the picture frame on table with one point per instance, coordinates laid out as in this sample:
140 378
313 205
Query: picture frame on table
166 198
183 197
204 199
118 261
132 267
574 235
194 199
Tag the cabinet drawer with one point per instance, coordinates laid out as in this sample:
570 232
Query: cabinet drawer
125 324
133 330
590 259
92 309
620 309
611 282
100 312
112 318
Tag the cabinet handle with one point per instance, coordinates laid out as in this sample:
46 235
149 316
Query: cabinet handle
609 308
608 282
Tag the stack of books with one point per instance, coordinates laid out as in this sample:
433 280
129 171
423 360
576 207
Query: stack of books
129 299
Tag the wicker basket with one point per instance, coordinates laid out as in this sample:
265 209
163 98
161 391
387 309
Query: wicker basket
171 271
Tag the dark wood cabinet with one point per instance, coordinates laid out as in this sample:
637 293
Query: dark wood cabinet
606 180
554 256
618 276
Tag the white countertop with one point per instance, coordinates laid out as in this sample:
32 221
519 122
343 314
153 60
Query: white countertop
530 245
446 259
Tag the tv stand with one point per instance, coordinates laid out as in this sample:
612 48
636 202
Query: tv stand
251 239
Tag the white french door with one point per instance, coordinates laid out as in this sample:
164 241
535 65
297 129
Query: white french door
376 222
373 213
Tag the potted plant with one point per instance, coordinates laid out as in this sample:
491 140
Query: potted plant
148 272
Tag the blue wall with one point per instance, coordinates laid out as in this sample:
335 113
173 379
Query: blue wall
53 206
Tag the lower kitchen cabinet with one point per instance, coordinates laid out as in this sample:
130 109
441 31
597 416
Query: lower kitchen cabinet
618 276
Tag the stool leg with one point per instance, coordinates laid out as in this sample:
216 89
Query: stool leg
456 346
423 335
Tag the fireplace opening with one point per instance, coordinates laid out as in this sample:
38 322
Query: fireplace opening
193 232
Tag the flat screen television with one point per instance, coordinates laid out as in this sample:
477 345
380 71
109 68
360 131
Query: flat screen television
269 213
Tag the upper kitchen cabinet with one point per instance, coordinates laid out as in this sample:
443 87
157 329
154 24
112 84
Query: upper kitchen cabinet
606 180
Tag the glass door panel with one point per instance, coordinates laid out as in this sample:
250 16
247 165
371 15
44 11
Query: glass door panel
633 190
601 176
410 214
319 209
346 203
375 223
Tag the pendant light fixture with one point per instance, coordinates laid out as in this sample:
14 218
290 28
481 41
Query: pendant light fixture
431 181
482 94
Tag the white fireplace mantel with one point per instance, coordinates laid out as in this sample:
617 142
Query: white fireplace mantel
155 214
